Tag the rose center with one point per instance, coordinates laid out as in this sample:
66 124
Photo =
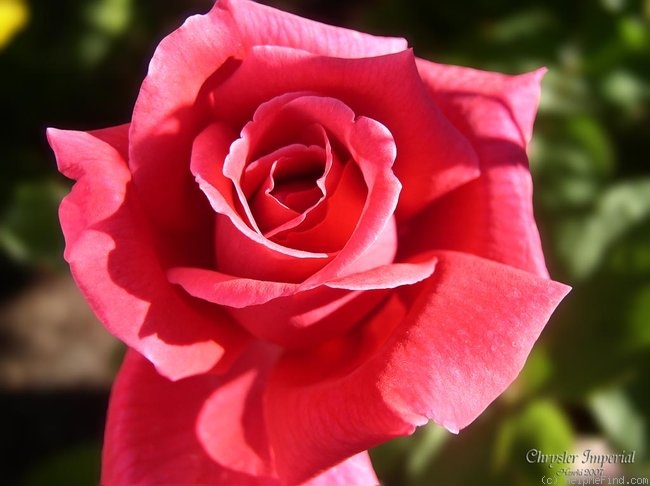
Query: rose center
295 183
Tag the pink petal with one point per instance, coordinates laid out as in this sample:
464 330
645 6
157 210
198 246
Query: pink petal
240 248
330 393
333 221
259 259
231 425
229 290
290 314
113 259
474 324
356 471
386 276
433 158
282 312
164 432
262 25
491 216
498 105
166 119
73 212
286 206
200 430
372 149
442 353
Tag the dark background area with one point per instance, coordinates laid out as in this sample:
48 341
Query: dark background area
78 64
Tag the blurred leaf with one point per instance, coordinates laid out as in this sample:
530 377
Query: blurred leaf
389 459
535 374
631 256
522 24
623 424
639 317
598 337
79 466
634 32
589 134
107 20
584 242
563 93
29 228
626 91
542 426
14 15
428 445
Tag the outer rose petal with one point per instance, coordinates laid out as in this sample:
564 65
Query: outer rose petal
165 119
356 471
164 432
262 25
112 258
443 354
151 435
491 216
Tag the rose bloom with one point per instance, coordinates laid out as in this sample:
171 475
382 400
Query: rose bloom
311 242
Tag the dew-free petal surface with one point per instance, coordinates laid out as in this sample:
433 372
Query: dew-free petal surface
205 429
442 353
112 256
262 25
151 431
491 216
165 117
433 157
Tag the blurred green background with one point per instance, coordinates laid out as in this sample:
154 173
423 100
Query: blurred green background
78 64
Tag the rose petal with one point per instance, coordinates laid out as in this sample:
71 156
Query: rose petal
279 207
262 25
291 308
434 157
355 471
335 406
475 323
241 249
491 216
334 221
153 430
372 148
230 425
165 117
444 354
386 276
113 258
233 291
224 289
303 318
200 430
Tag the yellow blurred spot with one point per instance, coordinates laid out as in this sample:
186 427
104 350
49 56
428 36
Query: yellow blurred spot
14 15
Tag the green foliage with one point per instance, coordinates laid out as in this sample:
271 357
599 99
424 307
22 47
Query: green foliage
29 229
77 466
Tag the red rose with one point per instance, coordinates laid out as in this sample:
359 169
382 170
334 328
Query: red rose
311 241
